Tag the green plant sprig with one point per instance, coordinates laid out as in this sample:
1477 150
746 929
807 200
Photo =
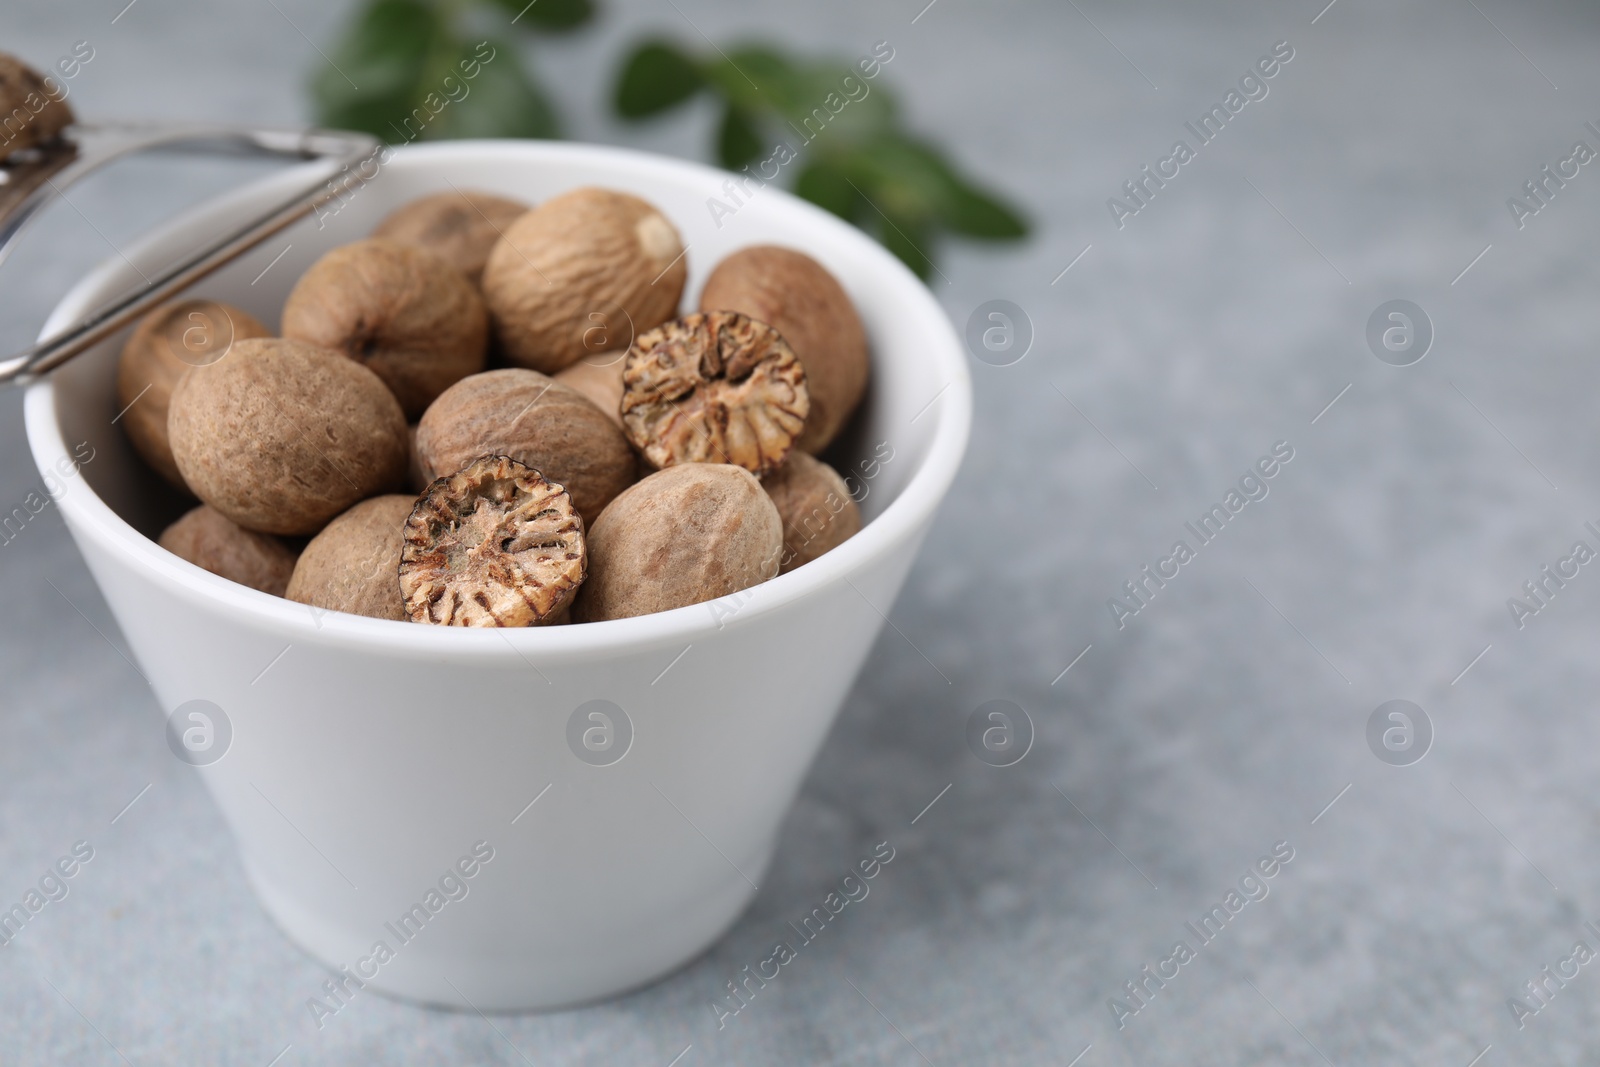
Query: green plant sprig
834 129
401 71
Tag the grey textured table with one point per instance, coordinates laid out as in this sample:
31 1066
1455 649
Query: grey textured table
1230 713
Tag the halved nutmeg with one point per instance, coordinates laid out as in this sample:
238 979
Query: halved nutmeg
714 387
493 544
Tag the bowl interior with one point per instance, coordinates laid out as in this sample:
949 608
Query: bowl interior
916 410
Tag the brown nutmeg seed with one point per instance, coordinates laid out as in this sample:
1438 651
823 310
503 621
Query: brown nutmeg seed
714 387
684 535
403 312
581 274
460 227
816 507
34 106
494 544
599 378
353 565
280 436
796 296
208 540
534 420
416 480
167 342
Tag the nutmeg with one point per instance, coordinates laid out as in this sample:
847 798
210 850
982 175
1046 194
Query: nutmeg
416 481
281 436
353 565
34 107
714 387
167 342
684 535
460 226
600 379
535 420
795 295
571 273
403 312
209 541
816 507
494 544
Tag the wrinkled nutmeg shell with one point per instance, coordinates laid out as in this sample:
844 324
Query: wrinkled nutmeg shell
714 387
535 420
684 535
796 296
494 544
816 507
167 342
34 107
581 274
209 541
280 436
416 480
600 379
460 227
402 312
353 565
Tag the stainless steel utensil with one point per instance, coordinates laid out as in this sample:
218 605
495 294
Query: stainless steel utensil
32 178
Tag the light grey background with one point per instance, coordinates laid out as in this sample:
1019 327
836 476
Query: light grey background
1225 717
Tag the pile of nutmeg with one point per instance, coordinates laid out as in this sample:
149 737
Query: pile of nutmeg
578 480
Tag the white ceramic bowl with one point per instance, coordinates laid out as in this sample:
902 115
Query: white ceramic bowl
368 757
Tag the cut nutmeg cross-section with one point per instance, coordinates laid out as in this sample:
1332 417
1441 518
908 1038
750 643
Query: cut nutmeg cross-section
714 387
493 544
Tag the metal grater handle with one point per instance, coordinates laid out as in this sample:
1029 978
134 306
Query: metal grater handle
31 179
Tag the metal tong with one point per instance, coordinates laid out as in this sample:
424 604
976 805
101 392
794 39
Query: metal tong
32 177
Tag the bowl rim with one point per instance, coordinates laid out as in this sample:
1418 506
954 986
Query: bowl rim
898 523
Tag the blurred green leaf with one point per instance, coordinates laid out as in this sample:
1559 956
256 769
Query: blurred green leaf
839 104
385 49
377 68
554 15
756 77
909 241
856 160
656 77
826 185
502 101
917 181
965 208
398 72
403 73
974 213
738 141
907 180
